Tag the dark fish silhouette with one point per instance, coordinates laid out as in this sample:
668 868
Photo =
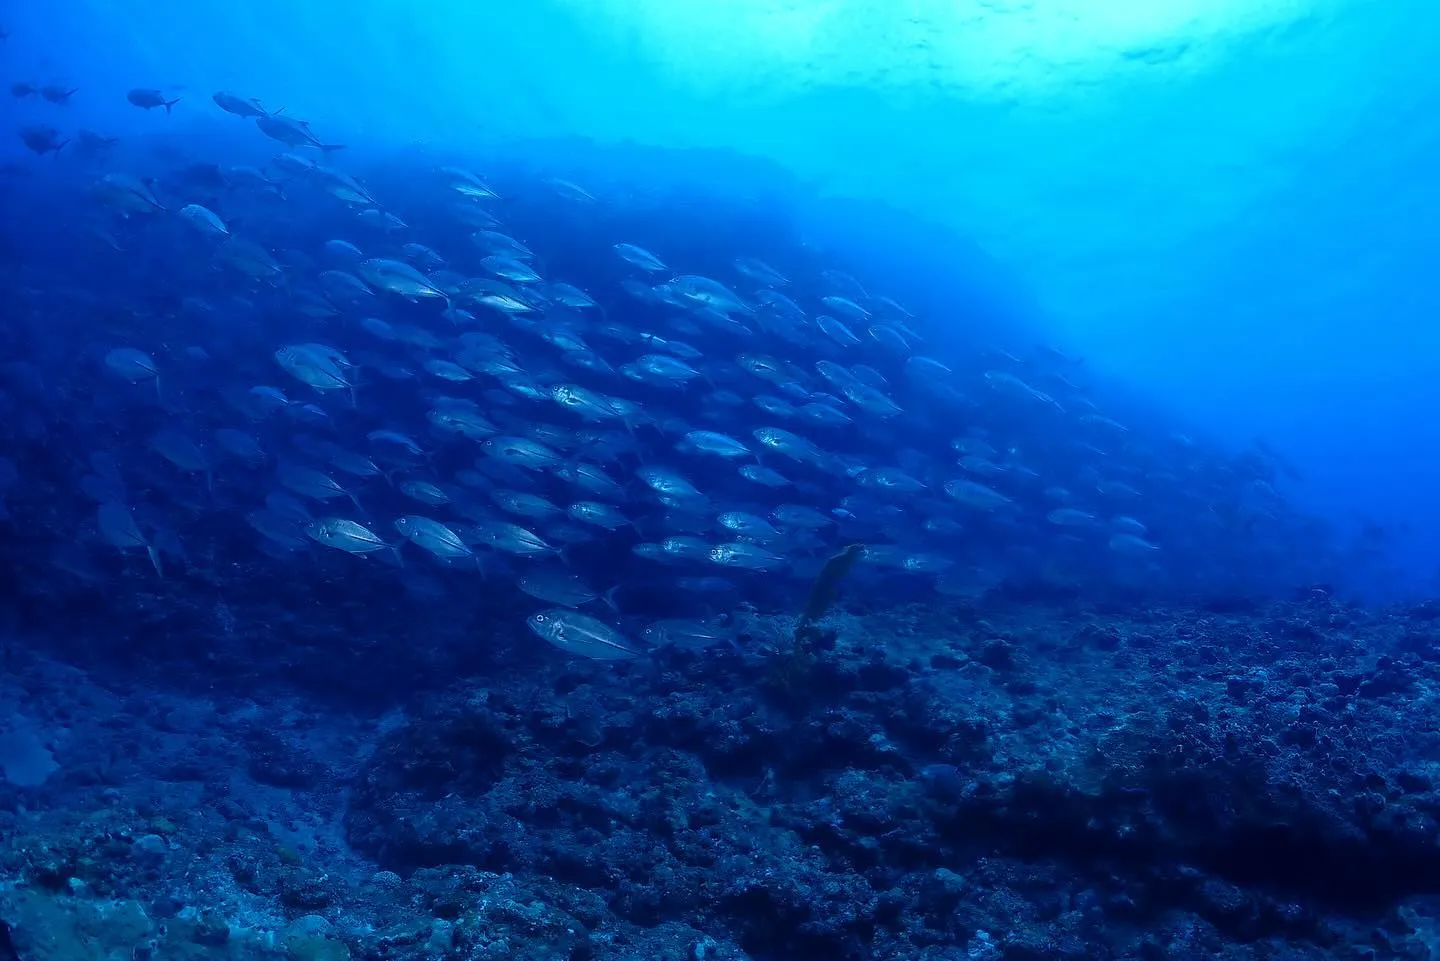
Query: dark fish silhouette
148 99
58 94
42 139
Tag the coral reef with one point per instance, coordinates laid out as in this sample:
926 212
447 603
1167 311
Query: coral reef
1008 783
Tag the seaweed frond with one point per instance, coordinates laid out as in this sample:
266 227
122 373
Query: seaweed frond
823 593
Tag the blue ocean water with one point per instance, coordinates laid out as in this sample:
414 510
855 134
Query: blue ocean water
772 479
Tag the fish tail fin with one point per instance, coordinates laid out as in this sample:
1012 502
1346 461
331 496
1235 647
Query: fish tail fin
399 558
609 598
154 559
564 554
170 103
59 147
330 147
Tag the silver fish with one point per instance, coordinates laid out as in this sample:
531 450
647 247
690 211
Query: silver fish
581 634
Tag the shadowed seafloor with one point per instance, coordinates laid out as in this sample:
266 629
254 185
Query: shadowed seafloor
1048 783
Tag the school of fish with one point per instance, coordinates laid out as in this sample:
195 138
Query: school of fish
397 369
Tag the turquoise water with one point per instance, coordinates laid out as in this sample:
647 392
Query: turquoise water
1230 207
